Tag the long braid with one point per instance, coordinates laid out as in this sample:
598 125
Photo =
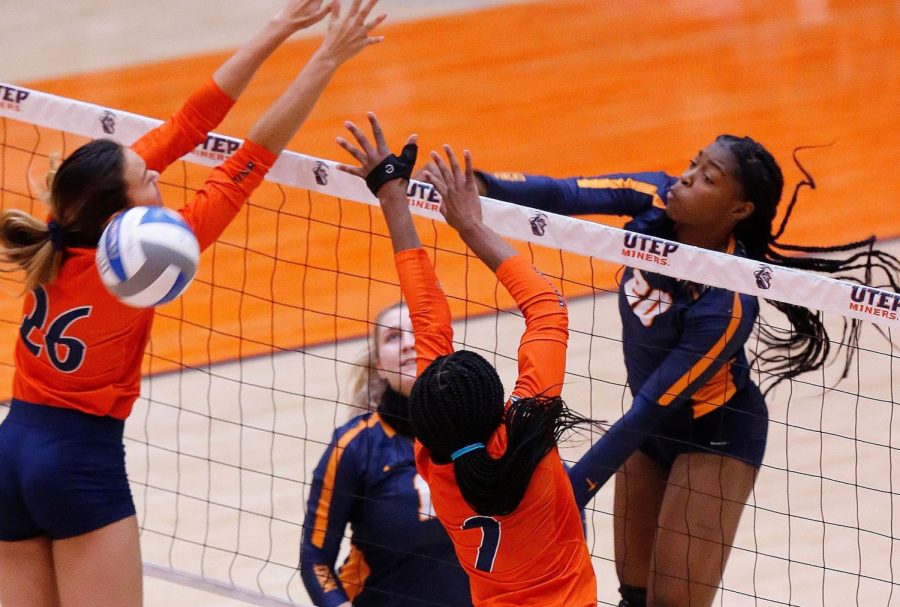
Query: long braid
458 401
806 346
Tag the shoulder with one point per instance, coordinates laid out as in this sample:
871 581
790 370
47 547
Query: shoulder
365 429
353 433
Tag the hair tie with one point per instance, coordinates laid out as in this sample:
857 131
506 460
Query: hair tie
468 448
57 235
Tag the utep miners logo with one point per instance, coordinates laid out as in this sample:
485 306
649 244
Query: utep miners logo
320 170
874 302
423 196
649 249
217 148
538 224
11 98
108 122
763 276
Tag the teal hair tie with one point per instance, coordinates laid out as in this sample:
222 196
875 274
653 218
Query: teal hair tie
468 448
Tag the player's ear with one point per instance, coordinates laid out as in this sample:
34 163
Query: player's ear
743 210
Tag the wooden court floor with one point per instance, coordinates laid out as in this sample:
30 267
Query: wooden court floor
584 87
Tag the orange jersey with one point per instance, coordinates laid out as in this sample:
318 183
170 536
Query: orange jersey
537 554
78 346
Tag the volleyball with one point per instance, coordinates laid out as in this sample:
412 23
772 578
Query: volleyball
147 256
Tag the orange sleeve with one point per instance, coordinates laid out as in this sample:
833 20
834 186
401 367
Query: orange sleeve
186 129
428 307
225 191
542 349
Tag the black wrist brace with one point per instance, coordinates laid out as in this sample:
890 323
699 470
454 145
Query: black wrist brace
393 167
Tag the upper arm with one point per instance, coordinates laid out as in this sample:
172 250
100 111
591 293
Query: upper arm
334 492
428 309
715 330
226 189
614 194
542 348
335 487
185 129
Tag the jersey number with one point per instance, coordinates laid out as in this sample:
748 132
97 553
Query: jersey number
646 302
490 540
65 353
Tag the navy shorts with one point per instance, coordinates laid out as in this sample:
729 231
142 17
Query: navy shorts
62 473
738 429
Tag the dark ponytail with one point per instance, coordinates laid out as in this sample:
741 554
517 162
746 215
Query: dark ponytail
457 401
85 190
805 346
88 189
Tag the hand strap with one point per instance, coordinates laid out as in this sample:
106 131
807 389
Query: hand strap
393 167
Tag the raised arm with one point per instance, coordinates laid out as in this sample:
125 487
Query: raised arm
616 194
387 176
344 38
235 74
461 206
542 349
209 104
231 183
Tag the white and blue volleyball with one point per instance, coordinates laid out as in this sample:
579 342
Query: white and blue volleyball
147 256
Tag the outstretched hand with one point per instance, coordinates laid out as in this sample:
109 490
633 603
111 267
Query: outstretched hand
460 204
368 156
301 14
380 169
347 36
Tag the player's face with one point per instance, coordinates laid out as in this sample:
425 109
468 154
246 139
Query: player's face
396 349
143 188
709 194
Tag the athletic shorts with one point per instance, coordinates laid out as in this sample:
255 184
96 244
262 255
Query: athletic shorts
737 429
62 473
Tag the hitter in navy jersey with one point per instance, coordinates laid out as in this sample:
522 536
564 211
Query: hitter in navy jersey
688 450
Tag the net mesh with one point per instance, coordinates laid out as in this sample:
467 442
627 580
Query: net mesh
246 378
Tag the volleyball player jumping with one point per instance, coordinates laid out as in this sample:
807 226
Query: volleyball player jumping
68 531
689 448
497 481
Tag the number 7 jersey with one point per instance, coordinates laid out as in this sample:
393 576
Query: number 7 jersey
536 555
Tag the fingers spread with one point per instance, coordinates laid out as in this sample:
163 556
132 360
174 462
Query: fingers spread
357 171
374 23
367 8
444 170
360 138
454 164
436 181
470 169
378 133
351 150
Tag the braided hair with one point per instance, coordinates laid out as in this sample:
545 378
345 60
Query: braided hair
806 346
458 401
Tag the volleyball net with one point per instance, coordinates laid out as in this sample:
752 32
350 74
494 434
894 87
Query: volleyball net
247 375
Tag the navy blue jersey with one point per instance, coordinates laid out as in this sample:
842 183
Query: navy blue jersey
683 342
401 555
